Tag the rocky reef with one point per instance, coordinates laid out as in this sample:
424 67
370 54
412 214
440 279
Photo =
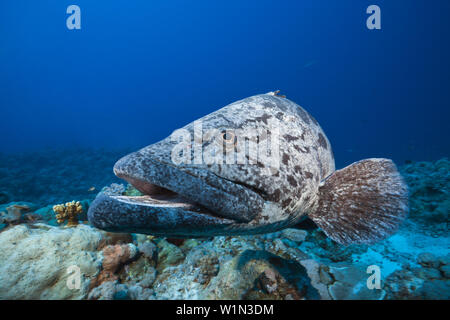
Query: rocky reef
42 260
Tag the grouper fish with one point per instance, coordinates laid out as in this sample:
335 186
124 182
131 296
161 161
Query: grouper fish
255 166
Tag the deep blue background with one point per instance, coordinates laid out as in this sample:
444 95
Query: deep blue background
137 70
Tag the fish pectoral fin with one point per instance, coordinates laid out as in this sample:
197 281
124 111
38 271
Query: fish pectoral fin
362 203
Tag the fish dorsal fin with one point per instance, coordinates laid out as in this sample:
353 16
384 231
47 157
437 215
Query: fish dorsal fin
276 94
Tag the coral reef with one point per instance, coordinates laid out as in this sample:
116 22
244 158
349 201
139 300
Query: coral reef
114 257
295 263
17 212
429 280
68 212
429 188
168 254
109 290
258 274
13 214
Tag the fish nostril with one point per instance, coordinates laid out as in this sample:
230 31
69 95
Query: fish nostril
127 167
118 170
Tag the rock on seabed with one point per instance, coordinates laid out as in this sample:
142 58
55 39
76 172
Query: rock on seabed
35 261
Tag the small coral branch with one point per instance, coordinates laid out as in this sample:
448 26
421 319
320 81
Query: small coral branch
69 212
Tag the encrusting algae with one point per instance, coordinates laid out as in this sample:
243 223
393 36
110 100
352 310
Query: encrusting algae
69 212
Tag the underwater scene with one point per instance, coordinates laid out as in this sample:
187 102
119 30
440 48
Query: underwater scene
224 150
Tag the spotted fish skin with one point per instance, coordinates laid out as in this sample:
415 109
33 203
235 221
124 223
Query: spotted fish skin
251 197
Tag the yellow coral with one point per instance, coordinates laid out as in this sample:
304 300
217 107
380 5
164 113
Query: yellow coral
69 212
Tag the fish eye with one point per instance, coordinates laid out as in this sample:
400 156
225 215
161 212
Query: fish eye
228 137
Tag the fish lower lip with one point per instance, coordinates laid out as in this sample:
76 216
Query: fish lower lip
172 216
160 201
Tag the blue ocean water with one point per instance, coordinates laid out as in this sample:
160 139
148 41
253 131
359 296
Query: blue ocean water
136 71
72 102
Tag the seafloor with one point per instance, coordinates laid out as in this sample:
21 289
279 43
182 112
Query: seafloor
40 259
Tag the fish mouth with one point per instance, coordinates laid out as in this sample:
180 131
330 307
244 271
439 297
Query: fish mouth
176 201
158 196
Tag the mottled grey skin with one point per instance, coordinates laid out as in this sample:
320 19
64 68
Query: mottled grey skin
228 199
